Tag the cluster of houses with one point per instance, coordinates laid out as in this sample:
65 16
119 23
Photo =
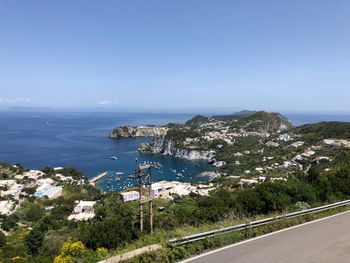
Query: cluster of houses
168 190
301 161
84 210
228 136
224 135
13 194
13 191
220 130
337 143
257 180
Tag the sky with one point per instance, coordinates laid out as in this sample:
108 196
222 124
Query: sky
176 55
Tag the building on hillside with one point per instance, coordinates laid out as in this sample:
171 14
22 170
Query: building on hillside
6 207
49 191
129 196
7 183
83 211
160 186
33 174
247 182
10 187
45 181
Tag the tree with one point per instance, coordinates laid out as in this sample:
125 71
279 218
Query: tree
2 239
29 190
34 240
33 212
10 222
109 233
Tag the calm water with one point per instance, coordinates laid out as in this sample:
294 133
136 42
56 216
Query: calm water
54 139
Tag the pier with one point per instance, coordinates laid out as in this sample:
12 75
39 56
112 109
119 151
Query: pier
98 177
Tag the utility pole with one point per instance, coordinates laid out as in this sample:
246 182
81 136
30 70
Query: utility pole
145 171
150 193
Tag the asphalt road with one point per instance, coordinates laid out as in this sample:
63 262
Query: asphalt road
326 240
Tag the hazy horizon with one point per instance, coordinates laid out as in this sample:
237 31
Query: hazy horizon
194 111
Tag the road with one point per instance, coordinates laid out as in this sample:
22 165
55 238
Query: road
325 240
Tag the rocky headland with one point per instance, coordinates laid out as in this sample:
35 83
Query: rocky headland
202 137
138 131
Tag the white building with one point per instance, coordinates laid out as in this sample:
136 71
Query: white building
297 144
45 181
337 143
83 211
6 207
284 137
49 191
219 163
160 186
129 196
7 183
33 174
12 188
167 190
243 182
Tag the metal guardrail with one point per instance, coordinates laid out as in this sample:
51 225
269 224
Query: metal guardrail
212 233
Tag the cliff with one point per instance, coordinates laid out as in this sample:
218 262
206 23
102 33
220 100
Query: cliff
160 145
138 131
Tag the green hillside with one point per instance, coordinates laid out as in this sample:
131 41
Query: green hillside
322 130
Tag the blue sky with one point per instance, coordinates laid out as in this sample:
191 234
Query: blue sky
184 54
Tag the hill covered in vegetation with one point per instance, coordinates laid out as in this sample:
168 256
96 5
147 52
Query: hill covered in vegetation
324 130
201 136
268 120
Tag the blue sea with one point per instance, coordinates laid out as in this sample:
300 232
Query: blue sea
80 139
54 139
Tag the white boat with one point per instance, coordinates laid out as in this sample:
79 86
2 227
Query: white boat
119 173
113 158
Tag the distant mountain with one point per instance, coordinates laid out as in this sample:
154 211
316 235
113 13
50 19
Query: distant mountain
233 116
244 113
197 120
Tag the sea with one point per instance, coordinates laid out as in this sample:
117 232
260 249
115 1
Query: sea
80 139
